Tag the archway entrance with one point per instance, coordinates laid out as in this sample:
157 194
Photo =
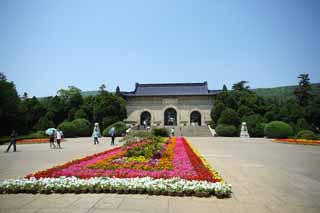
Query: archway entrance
195 118
145 118
170 117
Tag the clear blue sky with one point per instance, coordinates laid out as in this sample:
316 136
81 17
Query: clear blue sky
46 45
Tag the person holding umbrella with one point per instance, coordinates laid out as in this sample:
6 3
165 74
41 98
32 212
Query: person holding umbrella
51 139
51 133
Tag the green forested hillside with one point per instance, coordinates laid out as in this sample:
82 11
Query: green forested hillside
282 93
89 93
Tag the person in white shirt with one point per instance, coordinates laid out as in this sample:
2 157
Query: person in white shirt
172 132
59 135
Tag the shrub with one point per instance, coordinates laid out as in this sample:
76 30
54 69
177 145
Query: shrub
255 125
229 117
226 130
119 126
278 129
43 124
306 134
163 132
38 134
68 129
82 127
133 137
34 135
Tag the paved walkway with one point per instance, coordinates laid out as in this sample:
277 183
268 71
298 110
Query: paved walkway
266 177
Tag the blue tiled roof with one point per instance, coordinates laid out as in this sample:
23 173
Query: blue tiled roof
171 89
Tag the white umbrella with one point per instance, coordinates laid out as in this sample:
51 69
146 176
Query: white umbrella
50 131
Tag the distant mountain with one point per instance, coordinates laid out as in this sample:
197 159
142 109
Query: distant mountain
89 93
283 92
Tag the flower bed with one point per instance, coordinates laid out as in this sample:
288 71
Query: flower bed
28 141
32 141
298 141
176 168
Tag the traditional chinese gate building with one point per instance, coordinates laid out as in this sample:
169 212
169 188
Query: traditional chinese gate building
174 104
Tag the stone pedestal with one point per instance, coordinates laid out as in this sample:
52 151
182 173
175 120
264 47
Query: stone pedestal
244 131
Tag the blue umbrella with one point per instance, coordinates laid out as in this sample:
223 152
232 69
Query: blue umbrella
50 131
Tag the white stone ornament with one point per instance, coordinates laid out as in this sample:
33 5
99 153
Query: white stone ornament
244 131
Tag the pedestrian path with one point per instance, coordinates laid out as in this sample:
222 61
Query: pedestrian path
266 177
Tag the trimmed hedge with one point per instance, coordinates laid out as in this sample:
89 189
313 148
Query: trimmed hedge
163 132
306 134
119 126
82 127
225 130
34 135
68 129
278 129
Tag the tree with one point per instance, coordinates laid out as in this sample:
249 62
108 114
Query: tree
88 107
108 108
244 110
80 113
9 106
56 110
118 91
224 88
230 117
303 91
43 124
102 89
284 114
25 96
3 77
240 86
32 110
216 111
312 114
71 99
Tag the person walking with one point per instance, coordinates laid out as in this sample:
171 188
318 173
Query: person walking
58 136
51 139
13 141
96 133
113 135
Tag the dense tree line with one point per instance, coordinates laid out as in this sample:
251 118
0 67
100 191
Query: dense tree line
33 114
242 105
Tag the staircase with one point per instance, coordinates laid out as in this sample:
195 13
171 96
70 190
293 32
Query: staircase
191 131
188 131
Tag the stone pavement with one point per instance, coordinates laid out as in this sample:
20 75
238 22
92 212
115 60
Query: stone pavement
266 177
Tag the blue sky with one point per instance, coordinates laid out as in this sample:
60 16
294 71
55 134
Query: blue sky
49 45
